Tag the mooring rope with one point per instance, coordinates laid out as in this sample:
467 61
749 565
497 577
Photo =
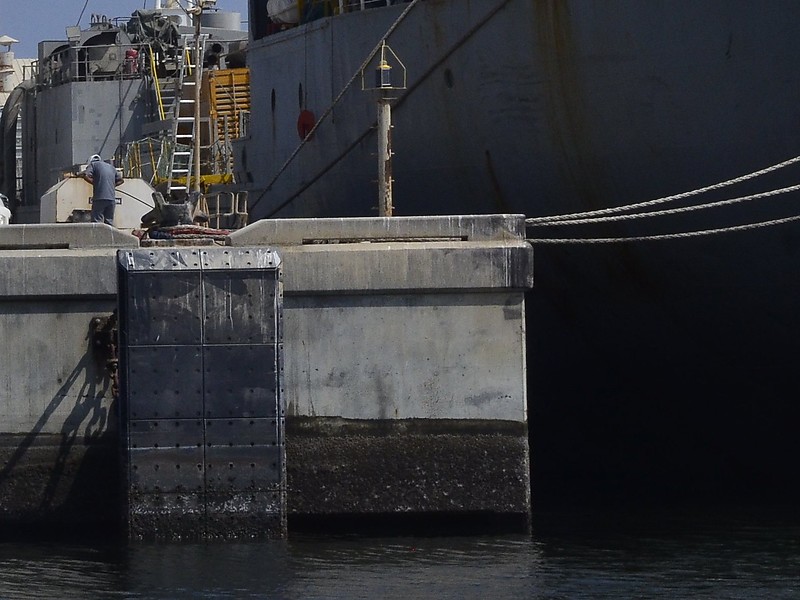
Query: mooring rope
629 207
670 211
667 236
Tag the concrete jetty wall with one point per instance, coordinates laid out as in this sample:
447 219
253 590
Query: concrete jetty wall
58 450
404 346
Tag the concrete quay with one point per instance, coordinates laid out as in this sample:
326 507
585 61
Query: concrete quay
404 354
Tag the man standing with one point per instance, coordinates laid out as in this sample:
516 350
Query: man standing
104 178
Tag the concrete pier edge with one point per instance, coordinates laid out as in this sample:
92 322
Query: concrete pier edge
404 345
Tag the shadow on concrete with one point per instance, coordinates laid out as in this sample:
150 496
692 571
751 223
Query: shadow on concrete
69 477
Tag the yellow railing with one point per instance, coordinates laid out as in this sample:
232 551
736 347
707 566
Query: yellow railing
187 59
157 85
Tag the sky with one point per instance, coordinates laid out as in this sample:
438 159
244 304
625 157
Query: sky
31 21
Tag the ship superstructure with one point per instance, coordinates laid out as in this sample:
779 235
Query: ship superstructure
13 71
125 89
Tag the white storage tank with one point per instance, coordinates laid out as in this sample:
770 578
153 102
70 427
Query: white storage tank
69 201
222 20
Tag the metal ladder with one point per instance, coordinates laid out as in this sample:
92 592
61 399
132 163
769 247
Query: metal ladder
181 110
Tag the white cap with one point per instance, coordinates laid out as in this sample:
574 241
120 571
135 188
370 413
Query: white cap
94 157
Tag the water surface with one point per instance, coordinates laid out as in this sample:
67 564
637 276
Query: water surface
669 553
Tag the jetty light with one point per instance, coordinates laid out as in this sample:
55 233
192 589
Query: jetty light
383 75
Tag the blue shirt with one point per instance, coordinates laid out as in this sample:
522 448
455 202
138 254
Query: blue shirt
104 179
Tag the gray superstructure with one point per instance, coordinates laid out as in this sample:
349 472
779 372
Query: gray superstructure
103 89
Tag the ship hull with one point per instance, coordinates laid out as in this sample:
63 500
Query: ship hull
524 106
657 368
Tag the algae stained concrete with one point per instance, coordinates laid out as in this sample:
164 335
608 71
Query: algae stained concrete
58 447
404 346
404 353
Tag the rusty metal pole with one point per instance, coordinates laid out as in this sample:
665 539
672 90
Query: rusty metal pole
384 157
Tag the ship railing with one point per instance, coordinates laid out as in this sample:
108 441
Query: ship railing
92 63
356 5
306 11
30 71
343 6
225 210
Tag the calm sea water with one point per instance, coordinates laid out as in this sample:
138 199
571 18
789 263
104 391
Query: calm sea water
744 553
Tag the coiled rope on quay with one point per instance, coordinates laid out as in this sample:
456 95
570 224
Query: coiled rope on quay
600 215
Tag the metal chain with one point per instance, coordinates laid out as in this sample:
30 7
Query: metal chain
669 236
618 209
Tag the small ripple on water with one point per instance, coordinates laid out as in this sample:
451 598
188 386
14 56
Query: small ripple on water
574 558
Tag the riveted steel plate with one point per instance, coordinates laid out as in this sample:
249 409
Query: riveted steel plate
155 259
270 501
143 503
166 470
240 310
203 420
165 381
163 516
166 433
243 468
242 432
240 259
245 514
240 381
163 308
